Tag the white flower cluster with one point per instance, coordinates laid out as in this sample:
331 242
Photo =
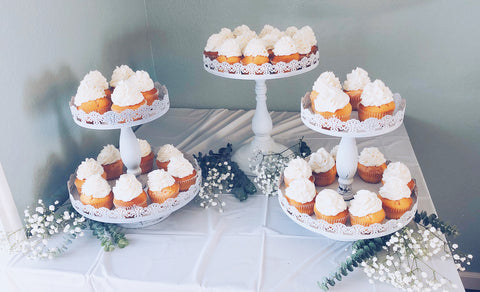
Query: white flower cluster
219 180
41 225
403 262
268 168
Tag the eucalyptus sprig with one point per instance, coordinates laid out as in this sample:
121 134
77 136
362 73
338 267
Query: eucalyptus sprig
110 235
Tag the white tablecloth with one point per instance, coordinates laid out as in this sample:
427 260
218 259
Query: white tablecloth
252 246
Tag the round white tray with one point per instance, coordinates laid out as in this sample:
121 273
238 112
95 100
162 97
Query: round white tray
111 120
347 232
265 71
353 127
136 217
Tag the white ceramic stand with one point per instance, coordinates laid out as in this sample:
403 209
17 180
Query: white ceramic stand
130 150
347 160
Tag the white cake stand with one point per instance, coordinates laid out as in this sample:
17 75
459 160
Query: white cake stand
129 147
347 155
261 122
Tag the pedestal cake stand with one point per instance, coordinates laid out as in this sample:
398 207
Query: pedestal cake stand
261 122
347 155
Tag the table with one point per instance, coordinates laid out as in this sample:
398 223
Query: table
251 246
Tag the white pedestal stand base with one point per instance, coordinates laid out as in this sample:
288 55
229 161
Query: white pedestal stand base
130 150
347 161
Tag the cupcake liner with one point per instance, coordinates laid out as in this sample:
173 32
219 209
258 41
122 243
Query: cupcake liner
366 112
97 203
113 170
162 165
146 163
323 179
354 97
140 200
339 218
161 196
186 182
371 174
306 208
395 213
369 219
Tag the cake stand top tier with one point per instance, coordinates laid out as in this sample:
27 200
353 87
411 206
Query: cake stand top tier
112 120
265 71
353 127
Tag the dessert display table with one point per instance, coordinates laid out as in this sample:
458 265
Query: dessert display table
251 246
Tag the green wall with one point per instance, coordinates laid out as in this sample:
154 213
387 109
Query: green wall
425 50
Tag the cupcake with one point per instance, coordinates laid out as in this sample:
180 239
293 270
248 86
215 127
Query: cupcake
147 156
305 41
284 50
328 78
297 168
353 86
87 168
255 52
366 209
330 102
323 167
161 186
215 41
120 73
111 161
270 39
97 192
330 206
127 95
400 171
371 165
229 52
165 153
376 101
93 94
128 192
244 38
182 171
145 85
395 196
301 195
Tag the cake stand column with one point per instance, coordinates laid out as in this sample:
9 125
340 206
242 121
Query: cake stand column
130 150
347 160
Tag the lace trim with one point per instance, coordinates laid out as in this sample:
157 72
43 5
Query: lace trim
319 123
158 108
264 69
136 214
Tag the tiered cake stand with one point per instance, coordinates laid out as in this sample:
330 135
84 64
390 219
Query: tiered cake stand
131 157
261 122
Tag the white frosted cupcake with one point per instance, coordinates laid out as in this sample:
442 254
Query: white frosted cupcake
255 52
270 39
128 192
97 192
230 52
366 209
127 95
215 41
162 186
353 86
297 168
245 38
323 167
93 94
87 168
182 171
331 207
165 153
330 101
285 50
147 156
376 101
399 171
371 165
305 41
396 198
145 85
301 194
111 161
120 73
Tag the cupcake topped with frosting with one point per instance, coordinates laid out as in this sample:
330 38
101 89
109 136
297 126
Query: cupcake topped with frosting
302 43
108 155
329 99
244 38
96 186
326 78
356 80
120 73
166 152
395 189
329 202
127 93
301 190
364 203
284 46
142 80
180 167
376 94
92 87
159 179
321 161
371 156
297 168
307 31
272 37
127 188
255 47
397 170
89 167
145 148
230 48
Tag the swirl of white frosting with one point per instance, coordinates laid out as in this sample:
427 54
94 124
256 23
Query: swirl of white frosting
230 48
226 33
120 73
265 30
284 46
364 202
142 80
371 156
297 168
241 29
92 87
301 190
96 186
356 80
302 43
145 148
159 179
394 189
329 202
321 161
310 35
127 93
291 31
272 37
108 155
327 78
244 38
127 187
89 167
255 47
214 42
376 94
179 167
397 170
329 99
334 151
166 152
